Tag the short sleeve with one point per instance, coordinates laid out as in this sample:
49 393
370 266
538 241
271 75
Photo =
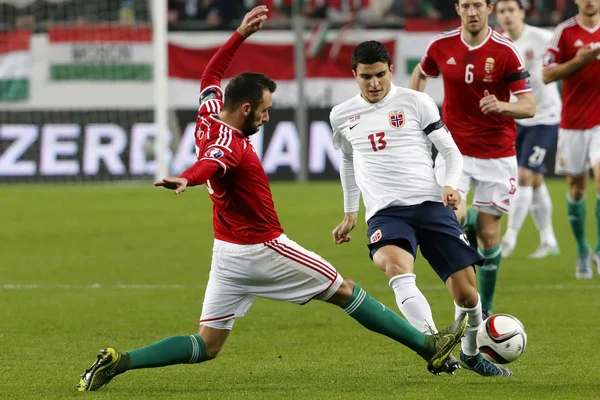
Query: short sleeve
515 74
428 63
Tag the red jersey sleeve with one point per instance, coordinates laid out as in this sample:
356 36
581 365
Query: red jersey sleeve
515 74
211 94
428 63
555 53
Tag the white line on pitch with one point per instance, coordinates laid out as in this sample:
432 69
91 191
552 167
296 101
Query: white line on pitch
378 287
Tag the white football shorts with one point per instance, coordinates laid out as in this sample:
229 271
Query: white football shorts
577 151
279 269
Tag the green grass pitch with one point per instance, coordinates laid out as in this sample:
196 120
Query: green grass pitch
84 267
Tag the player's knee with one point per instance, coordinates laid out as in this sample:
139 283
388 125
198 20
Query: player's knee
395 268
526 177
344 293
488 236
467 297
577 186
538 180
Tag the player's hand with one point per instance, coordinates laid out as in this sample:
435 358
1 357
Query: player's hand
341 234
173 183
451 197
253 21
489 103
587 54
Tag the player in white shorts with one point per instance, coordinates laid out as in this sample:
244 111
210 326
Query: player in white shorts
480 69
535 136
574 57
251 255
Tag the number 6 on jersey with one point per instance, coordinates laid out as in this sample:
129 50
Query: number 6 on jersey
469 73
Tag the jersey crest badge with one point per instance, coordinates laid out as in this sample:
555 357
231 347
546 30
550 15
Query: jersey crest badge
489 69
529 54
396 118
489 65
354 118
376 236
214 152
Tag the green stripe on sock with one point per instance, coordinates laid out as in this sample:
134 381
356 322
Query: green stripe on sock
488 274
378 318
170 351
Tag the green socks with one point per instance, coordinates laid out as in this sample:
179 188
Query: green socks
170 351
487 275
470 221
576 213
378 318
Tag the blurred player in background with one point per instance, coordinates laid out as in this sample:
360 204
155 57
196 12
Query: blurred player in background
574 57
251 254
480 69
535 136
385 134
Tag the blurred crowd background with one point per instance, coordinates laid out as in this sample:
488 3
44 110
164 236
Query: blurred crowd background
191 15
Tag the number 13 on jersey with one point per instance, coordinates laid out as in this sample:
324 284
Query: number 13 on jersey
377 141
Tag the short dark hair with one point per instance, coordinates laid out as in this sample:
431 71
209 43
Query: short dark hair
486 1
247 87
519 3
370 52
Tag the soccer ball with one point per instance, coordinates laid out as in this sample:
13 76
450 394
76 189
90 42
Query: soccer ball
501 338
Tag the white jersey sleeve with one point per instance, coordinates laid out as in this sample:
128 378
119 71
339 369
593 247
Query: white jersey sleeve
436 131
347 177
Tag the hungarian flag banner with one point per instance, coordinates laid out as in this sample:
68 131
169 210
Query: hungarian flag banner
15 65
100 52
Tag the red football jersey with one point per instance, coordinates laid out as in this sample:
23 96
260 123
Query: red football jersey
243 209
494 65
580 91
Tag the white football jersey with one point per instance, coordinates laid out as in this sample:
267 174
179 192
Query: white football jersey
391 153
532 46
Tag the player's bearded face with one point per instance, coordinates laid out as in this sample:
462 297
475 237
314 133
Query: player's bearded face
474 14
374 80
257 116
588 7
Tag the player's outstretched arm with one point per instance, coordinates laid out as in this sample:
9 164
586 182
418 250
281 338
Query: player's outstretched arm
418 80
212 75
584 56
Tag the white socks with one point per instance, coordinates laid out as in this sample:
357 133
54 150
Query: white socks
541 211
469 341
519 208
412 304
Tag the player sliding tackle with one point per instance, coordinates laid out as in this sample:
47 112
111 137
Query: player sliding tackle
480 69
252 256
385 134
